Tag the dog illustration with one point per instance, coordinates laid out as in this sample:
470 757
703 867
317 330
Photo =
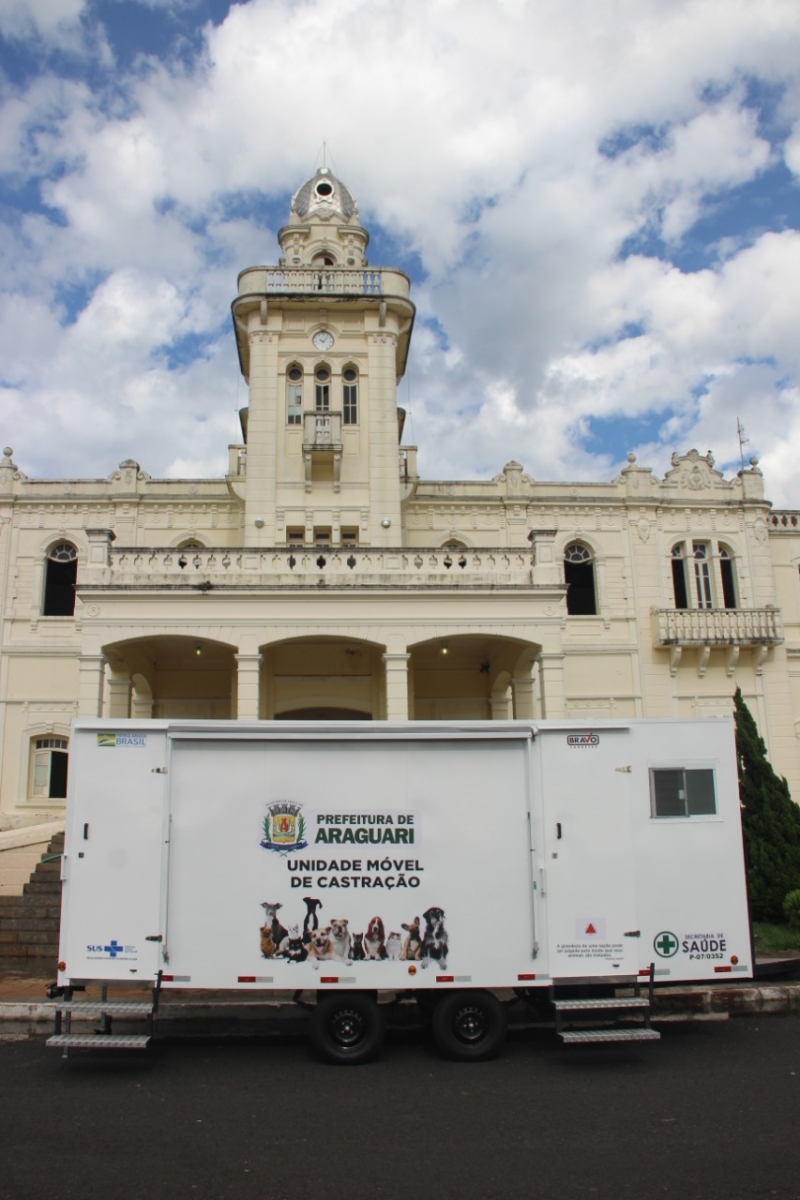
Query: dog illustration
394 946
375 939
311 921
413 943
271 919
434 940
340 939
357 948
267 942
320 947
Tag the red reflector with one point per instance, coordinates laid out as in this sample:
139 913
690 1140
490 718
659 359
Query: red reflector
247 979
720 970
167 978
445 978
645 971
526 977
329 979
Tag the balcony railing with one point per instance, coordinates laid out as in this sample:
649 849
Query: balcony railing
785 519
322 431
717 627
331 282
338 567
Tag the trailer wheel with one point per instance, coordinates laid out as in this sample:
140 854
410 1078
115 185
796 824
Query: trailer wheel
347 1028
469 1026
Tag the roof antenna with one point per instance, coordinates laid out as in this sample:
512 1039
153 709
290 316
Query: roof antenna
743 441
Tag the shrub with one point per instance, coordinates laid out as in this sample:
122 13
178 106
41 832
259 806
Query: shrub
791 908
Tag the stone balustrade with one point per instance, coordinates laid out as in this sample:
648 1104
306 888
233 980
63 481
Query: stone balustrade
717 627
327 281
307 567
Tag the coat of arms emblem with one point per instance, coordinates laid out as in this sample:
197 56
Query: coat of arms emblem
284 827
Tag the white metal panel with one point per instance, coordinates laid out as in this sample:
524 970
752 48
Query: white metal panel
588 875
113 851
463 803
690 870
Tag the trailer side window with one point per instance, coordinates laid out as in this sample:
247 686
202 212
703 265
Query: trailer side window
683 792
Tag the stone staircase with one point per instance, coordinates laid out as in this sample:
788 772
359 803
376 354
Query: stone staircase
29 924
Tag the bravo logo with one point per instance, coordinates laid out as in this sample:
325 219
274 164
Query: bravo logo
583 741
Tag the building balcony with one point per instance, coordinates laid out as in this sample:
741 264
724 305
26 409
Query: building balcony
325 281
358 567
707 628
322 431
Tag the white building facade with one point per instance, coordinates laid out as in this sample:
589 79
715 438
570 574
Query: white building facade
323 579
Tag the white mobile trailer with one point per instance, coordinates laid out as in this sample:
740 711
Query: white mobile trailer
354 858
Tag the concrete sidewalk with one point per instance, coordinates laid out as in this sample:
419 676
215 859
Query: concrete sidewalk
25 1011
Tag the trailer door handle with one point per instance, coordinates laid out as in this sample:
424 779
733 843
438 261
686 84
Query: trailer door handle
558 830
632 933
155 937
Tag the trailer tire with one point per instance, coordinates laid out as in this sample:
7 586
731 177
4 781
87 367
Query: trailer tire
469 1026
347 1028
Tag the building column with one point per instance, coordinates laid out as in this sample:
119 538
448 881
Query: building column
248 675
396 686
500 703
551 674
119 695
142 702
90 685
523 685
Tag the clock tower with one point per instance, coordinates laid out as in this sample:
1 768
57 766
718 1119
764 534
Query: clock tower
323 339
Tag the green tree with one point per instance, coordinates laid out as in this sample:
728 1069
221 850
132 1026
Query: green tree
770 822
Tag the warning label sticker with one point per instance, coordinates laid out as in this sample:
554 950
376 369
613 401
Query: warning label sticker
607 951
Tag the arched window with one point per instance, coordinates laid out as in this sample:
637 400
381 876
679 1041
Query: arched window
322 389
350 395
579 576
294 395
703 575
49 762
59 582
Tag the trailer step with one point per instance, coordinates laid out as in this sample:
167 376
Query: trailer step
618 1002
114 1008
99 1041
610 1035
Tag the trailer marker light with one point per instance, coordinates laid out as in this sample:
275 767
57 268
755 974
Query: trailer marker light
412 970
734 959
644 970
445 978
526 977
246 979
721 970
62 966
329 979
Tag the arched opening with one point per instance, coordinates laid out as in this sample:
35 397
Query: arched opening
59 582
171 677
471 677
580 581
322 679
323 713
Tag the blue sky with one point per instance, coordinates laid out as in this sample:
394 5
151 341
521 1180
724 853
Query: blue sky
598 203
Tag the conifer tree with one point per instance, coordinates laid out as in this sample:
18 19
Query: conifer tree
770 822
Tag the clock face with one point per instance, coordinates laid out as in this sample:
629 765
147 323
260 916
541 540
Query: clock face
323 340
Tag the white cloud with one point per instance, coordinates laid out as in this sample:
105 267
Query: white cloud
473 135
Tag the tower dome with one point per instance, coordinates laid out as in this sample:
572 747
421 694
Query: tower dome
323 195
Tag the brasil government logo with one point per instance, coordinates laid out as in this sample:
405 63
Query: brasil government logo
284 827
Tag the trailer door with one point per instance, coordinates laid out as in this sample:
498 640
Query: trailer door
588 876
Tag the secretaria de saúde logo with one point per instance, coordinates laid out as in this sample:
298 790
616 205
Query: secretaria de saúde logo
284 827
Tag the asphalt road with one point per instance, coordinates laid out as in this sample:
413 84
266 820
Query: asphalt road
709 1113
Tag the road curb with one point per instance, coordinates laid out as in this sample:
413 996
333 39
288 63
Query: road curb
224 1018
